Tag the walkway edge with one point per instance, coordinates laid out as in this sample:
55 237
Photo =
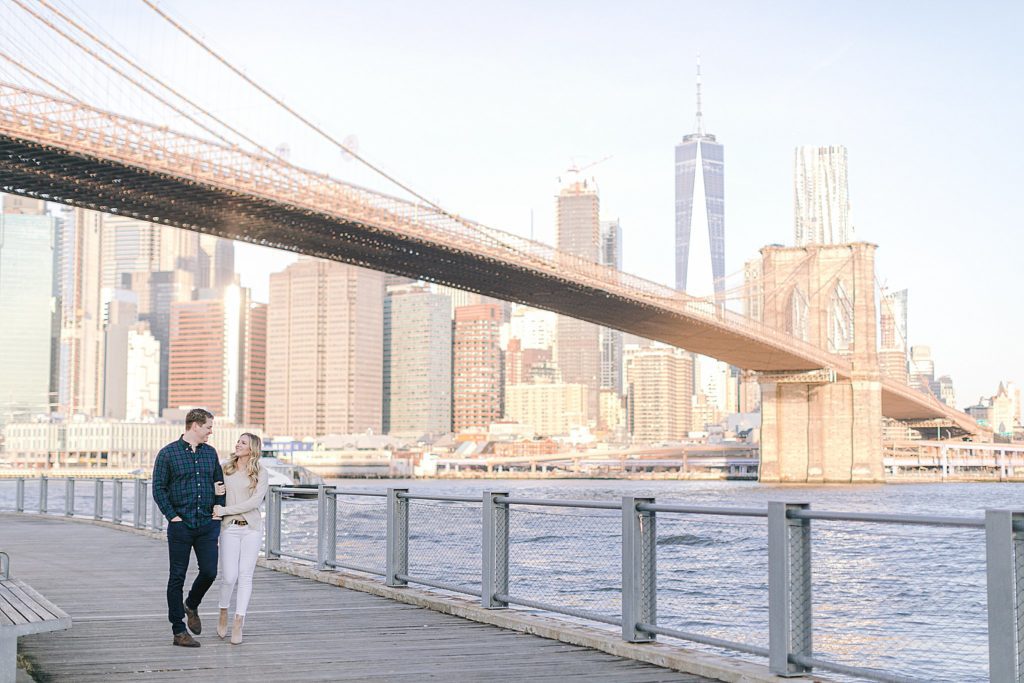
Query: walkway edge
667 656
675 657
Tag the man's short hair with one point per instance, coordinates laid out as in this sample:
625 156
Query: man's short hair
200 415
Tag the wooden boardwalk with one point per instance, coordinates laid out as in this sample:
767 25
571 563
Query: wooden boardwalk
112 584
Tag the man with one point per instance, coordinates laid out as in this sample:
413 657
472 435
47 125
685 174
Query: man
184 477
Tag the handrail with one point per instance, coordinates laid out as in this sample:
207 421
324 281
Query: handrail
555 502
877 518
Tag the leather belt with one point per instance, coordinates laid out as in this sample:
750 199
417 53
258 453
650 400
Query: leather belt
240 522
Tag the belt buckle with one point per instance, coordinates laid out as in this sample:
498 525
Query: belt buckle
240 522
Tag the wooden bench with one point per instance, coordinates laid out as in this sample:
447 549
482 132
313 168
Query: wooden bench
23 612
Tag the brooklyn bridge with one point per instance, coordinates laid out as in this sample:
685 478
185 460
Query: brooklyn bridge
823 398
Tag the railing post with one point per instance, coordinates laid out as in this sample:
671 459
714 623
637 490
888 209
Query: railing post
136 512
69 497
115 504
494 564
156 522
398 538
639 571
326 527
19 496
789 589
43 486
142 503
97 496
1004 558
273 544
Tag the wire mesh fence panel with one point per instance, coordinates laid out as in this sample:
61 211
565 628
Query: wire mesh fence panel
910 601
298 527
566 557
9 494
32 490
55 496
85 497
362 529
108 500
713 576
127 500
444 542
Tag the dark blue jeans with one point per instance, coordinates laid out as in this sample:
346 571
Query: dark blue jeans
181 541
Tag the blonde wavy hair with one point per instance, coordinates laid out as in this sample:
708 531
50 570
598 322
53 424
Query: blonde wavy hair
253 468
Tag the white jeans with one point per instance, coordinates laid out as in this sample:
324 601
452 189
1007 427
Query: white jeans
239 547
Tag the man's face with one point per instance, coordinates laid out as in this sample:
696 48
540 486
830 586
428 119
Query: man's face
202 430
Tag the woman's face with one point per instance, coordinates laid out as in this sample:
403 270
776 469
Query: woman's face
242 447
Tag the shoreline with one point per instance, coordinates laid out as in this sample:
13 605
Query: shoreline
121 473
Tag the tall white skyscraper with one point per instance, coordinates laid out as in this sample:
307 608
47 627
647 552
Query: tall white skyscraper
81 356
700 210
821 202
611 340
26 294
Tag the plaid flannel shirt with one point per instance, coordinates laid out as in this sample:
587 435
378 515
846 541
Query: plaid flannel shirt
183 482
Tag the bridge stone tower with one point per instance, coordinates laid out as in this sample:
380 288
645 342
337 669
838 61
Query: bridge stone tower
816 428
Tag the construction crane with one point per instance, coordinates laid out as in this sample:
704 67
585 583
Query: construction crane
574 171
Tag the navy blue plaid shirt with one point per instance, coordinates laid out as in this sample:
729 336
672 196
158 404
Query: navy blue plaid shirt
183 482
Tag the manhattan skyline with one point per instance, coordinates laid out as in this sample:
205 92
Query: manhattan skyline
929 124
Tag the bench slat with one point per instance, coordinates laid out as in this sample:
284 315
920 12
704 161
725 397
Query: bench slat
16 603
23 611
9 616
36 603
8 606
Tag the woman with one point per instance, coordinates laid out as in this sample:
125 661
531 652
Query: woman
240 536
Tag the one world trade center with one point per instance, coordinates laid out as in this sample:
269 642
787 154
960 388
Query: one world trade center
700 211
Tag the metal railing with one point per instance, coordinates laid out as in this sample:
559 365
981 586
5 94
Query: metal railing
797 606
859 596
107 499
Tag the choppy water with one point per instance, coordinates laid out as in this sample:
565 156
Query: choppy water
902 599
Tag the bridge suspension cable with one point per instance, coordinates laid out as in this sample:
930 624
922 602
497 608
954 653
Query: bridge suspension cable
124 75
312 126
30 72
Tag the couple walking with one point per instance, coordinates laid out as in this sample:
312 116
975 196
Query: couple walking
206 506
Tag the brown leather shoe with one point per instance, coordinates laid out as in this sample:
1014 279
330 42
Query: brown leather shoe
183 639
192 620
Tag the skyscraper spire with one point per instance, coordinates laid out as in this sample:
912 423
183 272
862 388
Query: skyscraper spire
700 114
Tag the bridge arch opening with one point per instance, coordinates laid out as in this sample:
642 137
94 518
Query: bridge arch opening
840 320
798 315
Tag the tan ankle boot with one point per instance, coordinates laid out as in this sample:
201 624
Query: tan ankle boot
236 629
222 623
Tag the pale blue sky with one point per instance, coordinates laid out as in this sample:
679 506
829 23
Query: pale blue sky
482 105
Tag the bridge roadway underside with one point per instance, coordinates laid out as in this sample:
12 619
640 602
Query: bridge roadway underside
112 583
102 185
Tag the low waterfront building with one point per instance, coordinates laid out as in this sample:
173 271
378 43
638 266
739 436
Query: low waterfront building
101 443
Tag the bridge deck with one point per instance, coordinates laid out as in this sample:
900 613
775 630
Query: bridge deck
112 584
